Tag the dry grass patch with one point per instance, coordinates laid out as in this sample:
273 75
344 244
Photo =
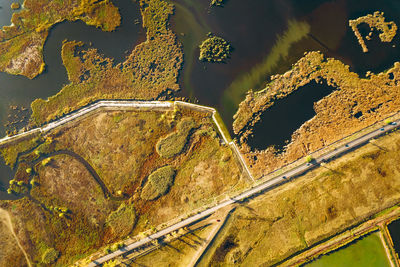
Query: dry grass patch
318 205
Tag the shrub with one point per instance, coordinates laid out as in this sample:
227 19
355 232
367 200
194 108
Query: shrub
50 256
15 6
388 121
158 183
309 159
122 220
173 144
215 49
46 162
216 2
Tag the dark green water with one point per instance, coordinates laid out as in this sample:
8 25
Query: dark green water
257 30
287 115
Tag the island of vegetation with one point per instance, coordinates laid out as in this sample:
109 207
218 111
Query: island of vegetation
357 103
375 21
217 3
15 6
21 43
214 49
149 71
74 202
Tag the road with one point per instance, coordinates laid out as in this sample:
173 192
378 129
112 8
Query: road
268 185
87 110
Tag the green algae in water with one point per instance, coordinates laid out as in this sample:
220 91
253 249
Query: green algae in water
233 95
367 251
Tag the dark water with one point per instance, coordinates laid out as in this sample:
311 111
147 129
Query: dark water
288 114
18 90
252 28
394 230
6 11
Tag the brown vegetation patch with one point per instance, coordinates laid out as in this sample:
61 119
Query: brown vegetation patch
21 44
375 97
67 183
376 20
149 71
10 253
115 151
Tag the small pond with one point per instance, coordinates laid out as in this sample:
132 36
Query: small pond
279 122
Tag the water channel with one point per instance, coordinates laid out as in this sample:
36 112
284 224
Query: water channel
21 91
267 37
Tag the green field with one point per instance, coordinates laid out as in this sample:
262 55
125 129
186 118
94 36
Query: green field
368 251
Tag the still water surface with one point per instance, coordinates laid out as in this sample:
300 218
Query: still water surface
394 230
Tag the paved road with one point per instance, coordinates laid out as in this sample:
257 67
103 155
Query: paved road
268 185
87 110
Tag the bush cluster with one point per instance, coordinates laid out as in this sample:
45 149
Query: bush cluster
173 144
50 256
122 220
158 183
215 49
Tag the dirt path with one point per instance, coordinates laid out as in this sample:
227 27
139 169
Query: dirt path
6 219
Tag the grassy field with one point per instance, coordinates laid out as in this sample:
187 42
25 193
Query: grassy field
367 251
326 201
86 183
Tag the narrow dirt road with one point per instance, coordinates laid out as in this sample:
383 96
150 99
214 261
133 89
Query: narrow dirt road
6 219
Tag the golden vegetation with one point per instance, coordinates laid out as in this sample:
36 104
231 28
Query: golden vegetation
215 49
78 202
15 6
173 144
21 44
158 183
312 208
10 152
122 220
151 69
372 99
377 20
